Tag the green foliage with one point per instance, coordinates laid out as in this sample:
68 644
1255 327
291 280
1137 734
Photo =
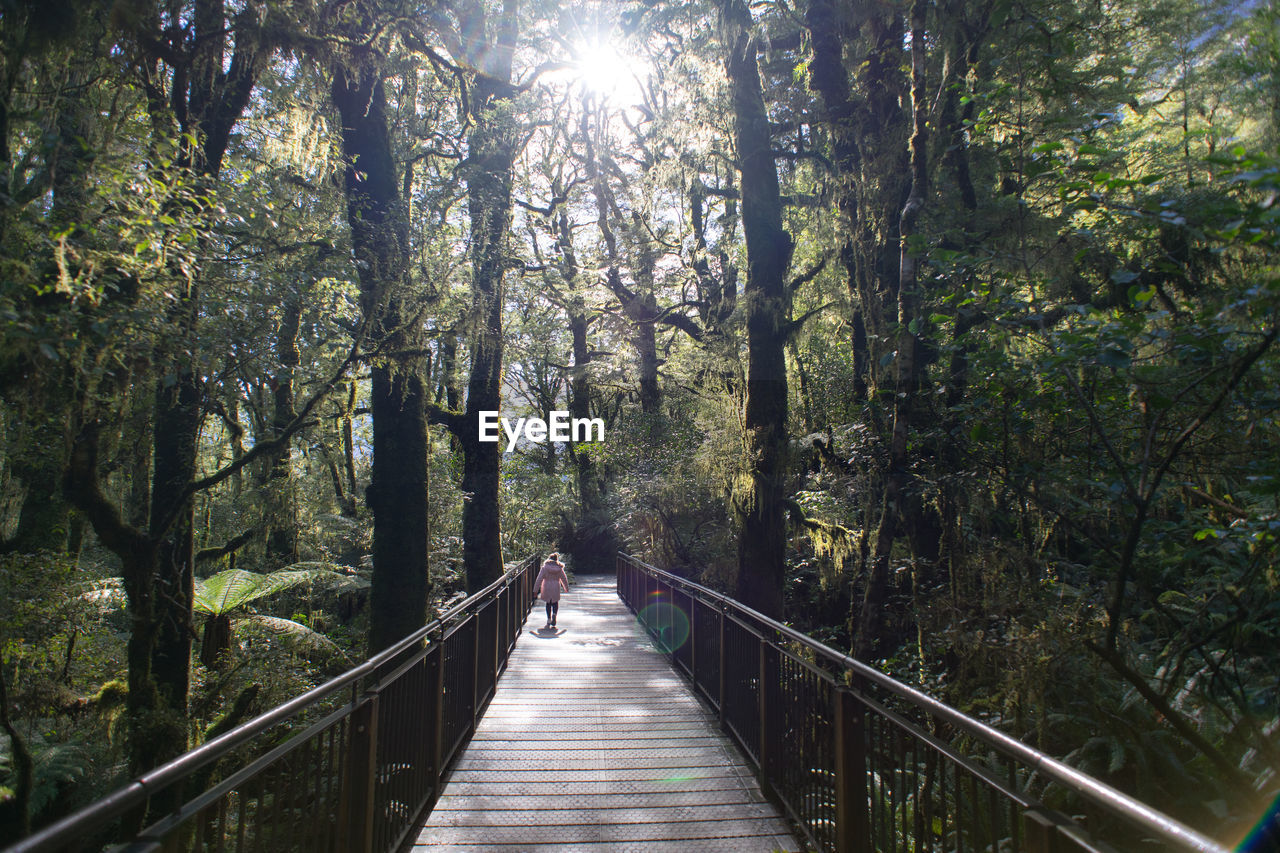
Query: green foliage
236 588
231 591
57 767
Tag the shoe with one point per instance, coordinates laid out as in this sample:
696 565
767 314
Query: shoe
548 625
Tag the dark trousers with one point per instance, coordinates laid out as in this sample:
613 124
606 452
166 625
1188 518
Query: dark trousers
553 607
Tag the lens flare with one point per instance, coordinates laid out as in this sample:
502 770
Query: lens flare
668 624
1266 835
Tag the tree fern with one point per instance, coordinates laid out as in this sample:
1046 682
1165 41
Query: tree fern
219 596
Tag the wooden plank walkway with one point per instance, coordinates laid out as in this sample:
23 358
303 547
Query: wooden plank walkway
593 743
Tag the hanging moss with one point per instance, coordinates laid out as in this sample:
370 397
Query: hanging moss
834 542
831 541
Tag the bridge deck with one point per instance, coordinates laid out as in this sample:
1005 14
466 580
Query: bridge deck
593 743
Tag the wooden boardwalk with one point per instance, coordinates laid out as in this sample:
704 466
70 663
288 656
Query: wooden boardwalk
593 743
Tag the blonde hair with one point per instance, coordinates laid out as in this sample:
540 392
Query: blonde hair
554 555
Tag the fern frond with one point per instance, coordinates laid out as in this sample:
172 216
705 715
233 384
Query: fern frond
299 636
234 588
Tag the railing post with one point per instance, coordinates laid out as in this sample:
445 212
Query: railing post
664 616
853 826
362 757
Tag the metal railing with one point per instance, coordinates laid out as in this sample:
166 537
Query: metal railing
348 767
862 762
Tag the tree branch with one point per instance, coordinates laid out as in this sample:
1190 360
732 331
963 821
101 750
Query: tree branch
263 448
206 554
453 421
682 322
82 488
797 324
809 275
1171 715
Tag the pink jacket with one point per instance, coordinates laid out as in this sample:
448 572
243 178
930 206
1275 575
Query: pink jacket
549 579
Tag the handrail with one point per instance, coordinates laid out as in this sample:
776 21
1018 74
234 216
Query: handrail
515 585
1030 762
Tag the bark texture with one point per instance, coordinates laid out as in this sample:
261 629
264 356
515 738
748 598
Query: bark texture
760 493
398 490
492 148
897 497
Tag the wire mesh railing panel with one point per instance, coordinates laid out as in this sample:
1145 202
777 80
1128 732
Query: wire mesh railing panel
682 652
862 762
802 772
502 609
706 637
348 766
459 685
290 799
926 795
741 687
405 775
486 653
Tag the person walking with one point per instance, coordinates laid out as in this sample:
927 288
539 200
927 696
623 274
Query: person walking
551 578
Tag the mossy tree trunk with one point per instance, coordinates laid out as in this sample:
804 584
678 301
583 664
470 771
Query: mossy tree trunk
591 541
829 78
492 147
398 490
761 488
898 498
281 521
193 98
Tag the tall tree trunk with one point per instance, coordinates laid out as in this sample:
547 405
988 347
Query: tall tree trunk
42 521
491 150
193 107
206 103
882 186
150 725
282 530
592 543
717 293
639 305
829 77
644 314
398 491
177 427
136 444
896 497
349 445
759 496
447 389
